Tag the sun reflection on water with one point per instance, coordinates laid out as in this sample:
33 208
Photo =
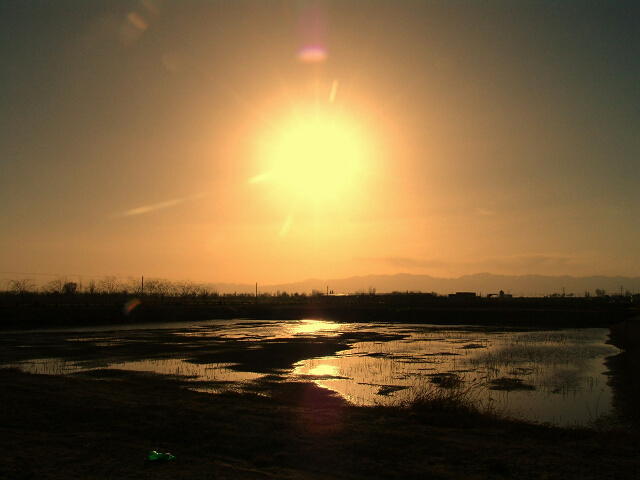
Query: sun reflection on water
309 327
325 370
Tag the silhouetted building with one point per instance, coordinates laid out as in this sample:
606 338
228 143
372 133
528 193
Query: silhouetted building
463 296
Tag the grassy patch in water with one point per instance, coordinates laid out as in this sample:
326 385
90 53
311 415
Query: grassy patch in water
456 404
509 384
446 380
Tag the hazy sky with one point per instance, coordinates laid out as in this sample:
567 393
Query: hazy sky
265 141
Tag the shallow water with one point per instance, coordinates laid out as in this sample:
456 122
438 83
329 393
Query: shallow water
543 376
556 377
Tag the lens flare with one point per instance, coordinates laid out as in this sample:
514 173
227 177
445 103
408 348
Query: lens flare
130 305
312 54
312 33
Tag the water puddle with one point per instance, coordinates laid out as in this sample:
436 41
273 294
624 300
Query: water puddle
542 376
556 377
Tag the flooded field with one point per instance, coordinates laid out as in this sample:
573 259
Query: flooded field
556 376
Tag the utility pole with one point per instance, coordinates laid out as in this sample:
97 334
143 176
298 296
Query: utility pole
256 293
142 286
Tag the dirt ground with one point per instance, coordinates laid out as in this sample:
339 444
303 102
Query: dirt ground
78 427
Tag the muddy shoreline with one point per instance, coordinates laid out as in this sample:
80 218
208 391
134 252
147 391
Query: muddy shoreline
64 427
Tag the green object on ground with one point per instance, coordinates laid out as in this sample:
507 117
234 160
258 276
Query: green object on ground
153 455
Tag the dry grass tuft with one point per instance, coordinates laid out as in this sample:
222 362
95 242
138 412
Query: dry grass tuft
452 404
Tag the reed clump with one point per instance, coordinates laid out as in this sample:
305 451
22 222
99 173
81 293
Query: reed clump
440 399
457 405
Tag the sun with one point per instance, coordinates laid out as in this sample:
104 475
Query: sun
315 157
318 158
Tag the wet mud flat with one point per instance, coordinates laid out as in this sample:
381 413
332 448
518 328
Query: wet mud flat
203 345
75 427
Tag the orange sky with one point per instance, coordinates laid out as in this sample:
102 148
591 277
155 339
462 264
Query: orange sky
147 138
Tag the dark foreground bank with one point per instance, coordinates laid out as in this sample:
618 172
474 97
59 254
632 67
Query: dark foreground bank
523 312
76 427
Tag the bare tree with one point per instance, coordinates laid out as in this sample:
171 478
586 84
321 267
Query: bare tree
109 285
208 290
91 288
165 287
150 287
22 286
186 288
134 286
56 285
160 287
199 290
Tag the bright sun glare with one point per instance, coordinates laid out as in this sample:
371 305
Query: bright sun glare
315 158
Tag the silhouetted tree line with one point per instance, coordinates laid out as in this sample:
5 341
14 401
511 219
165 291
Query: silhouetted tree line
109 289
114 290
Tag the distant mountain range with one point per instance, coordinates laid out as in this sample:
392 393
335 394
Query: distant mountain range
480 283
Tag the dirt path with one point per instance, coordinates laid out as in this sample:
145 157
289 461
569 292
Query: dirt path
64 427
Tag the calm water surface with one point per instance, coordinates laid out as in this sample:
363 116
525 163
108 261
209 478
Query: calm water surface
543 376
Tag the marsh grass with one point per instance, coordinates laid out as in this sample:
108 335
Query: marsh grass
457 404
509 384
446 380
